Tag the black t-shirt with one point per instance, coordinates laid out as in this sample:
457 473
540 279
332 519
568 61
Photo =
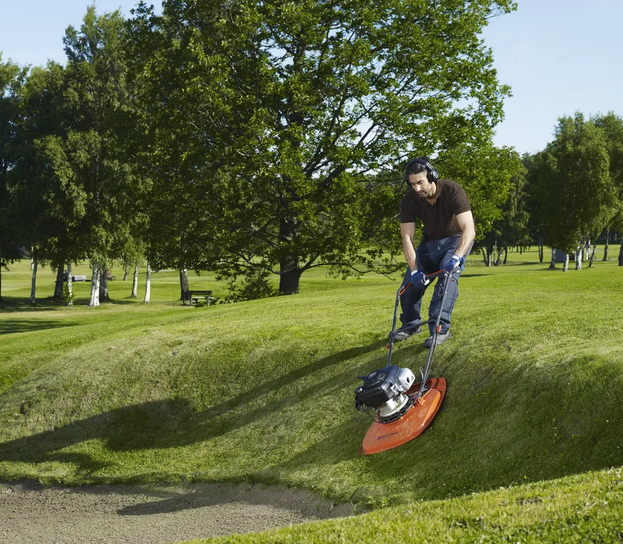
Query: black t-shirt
439 219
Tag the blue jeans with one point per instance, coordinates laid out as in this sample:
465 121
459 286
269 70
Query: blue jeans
431 257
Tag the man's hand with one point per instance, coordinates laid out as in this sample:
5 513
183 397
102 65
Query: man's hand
452 264
419 278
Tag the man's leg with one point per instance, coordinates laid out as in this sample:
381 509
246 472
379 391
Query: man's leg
448 307
446 249
410 303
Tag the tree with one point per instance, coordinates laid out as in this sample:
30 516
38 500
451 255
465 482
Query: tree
492 178
612 125
11 79
286 113
99 103
48 203
575 185
535 205
514 225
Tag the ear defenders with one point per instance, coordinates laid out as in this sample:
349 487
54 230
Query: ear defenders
431 171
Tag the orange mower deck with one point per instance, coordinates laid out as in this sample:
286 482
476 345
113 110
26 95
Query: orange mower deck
385 436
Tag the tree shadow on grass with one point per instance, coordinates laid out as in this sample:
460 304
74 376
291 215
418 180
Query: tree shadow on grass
176 422
12 326
22 304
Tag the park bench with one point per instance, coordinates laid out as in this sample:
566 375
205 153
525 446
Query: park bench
198 294
76 278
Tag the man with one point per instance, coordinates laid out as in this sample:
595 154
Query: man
443 207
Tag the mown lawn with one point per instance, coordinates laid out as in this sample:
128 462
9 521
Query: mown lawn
263 391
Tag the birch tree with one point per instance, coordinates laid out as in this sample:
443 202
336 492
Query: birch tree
99 106
147 298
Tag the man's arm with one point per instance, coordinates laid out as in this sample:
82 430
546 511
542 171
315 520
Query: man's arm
407 231
465 221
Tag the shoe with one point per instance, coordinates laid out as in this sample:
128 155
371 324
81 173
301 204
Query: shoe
441 338
403 335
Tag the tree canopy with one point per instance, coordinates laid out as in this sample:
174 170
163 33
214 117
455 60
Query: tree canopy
286 115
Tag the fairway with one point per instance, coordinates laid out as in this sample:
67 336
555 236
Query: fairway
262 391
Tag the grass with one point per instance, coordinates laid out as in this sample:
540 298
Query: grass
263 391
577 509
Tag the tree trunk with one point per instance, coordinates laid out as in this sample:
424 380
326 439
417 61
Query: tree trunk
104 285
505 255
60 277
135 282
541 250
148 285
487 256
592 257
289 281
70 289
621 254
125 273
0 280
579 254
606 246
552 264
289 271
565 266
498 251
33 283
184 288
95 286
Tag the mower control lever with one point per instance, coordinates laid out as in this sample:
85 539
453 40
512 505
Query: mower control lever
429 277
435 274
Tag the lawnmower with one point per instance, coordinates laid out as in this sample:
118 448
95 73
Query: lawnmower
401 409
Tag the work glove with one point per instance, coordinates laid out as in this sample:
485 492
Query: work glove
419 278
452 264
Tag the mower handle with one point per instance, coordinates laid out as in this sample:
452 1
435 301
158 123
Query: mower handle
429 277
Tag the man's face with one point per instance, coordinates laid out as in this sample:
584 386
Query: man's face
421 185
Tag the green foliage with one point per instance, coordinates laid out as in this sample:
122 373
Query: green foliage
11 80
491 177
612 126
285 116
577 194
72 192
255 285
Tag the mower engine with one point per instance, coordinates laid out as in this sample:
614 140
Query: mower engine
384 391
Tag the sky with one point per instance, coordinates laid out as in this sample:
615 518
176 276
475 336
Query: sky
558 56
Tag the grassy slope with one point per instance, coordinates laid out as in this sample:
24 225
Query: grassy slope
264 390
